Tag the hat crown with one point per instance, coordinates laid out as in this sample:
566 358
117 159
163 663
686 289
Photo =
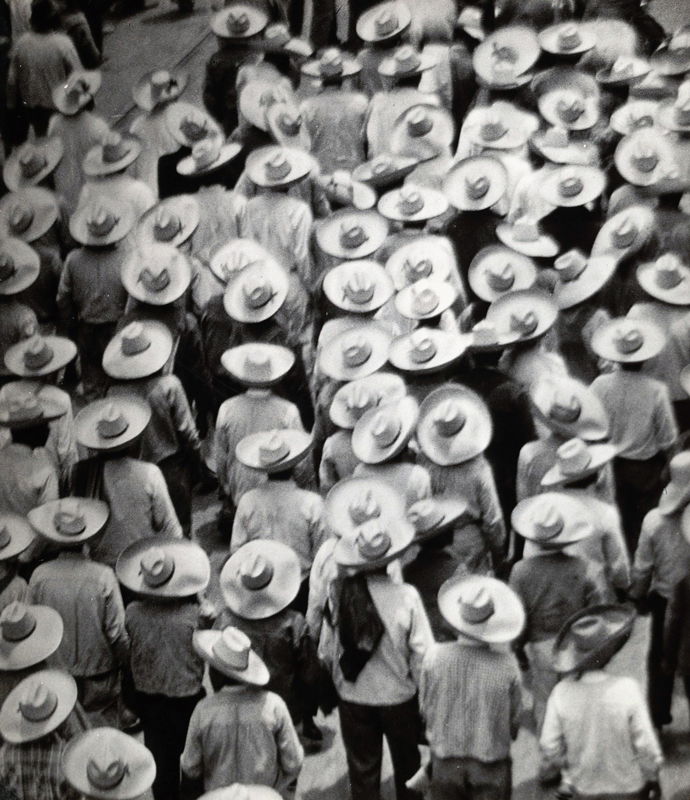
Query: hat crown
628 340
363 508
417 269
410 201
624 232
38 702
493 128
258 292
69 521
422 347
667 271
166 225
500 277
570 106
38 353
372 540
573 457
5 537
569 37
359 288
76 88
256 572
556 136
105 770
523 322
331 62
134 339
644 157
115 147
290 122
21 217
233 648
31 160
425 514
476 606
525 230
194 127
352 236
356 351
258 365
449 418
419 122
622 66
679 468
111 422
477 186
385 428
162 83
16 622
277 167
101 221
570 265
570 184
25 406
406 59
273 449
589 632
484 333
155 281
386 21
565 408
425 300
8 268
205 152
156 566
548 522
237 22
360 399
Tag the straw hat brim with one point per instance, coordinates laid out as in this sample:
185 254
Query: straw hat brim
336 278
548 108
94 165
176 113
92 79
471 440
456 191
597 273
543 247
28 266
644 220
363 444
142 91
233 299
677 296
504 625
669 62
179 268
301 165
80 232
556 79
256 673
404 299
64 350
548 41
607 78
601 454
575 153
251 251
191 575
622 118
435 204
11 172
141 767
270 599
539 302
385 385
511 139
390 503
187 166
257 22
50 411
525 272
451 508
141 365
347 555
43 205
184 207
366 29
577 523
351 66
593 179
330 357
604 345
673 497
328 233
425 247
622 158
21 535
566 656
449 349
136 412
524 43
42 642
667 119
300 140
401 166
281 359
592 422
247 450
16 729
388 68
95 514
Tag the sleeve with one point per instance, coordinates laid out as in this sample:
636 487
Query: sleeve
616 554
47 485
221 449
426 687
419 485
64 299
114 619
328 476
317 528
301 224
675 619
515 702
644 741
70 57
182 414
84 44
240 527
552 740
643 564
163 517
493 527
318 594
522 487
664 420
290 752
192 758
420 638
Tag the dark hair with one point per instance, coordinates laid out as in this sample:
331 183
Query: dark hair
44 16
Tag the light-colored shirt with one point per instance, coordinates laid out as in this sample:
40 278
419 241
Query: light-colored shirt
337 460
87 597
29 478
662 558
335 120
411 481
641 420
241 735
470 699
129 189
598 729
222 217
38 63
151 128
324 570
281 511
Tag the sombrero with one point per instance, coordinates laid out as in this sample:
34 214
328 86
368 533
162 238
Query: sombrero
354 501
383 432
503 59
422 132
476 183
37 706
552 520
576 460
70 520
19 266
163 566
566 39
32 162
332 63
385 170
275 166
26 409
257 293
625 232
239 21
412 203
102 223
355 398
496 127
523 315
343 192
77 91
274 450
574 185
352 234
568 108
496 270
158 274
424 257
591 637
427 350
171 221
230 652
16 535
673 56
114 154
258 95
556 146
634 115
28 213
383 21
356 352
39 355
138 350
644 158
158 87
373 544
277 38
231 258
666 279
258 364
524 236
28 635
359 287
435 515
286 125
628 340
406 62
625 70
569 408
425 299
580 277
111 424
189 124
208 155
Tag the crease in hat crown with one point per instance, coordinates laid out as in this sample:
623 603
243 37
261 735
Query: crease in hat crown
385 428
232 648
156 567
373 540
570 265
570 184
564 408
17 622
624 232
115 147
425 514
38 702
255 572
628 340
449 419
360 399
258 292
352 235
38 353
425 300
32 160
106 770
69 520
363 508
667 271
166 225
273 449
573 457
476 605
548 522
477 186
111 422
21 216
101 221
134 339
501 278
154 281
422 347
359 288
524 322
356 350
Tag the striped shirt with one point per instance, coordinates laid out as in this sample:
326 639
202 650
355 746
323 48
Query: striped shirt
470 699
34 770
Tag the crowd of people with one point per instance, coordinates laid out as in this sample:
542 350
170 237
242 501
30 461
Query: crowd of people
416 304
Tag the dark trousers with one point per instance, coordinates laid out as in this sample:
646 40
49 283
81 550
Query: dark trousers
659 684
165 721
177 471
363 728
470 779
638 488
25 118
681 410
92 339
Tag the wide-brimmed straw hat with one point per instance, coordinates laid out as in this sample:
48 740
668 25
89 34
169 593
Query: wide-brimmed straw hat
385 170
555 145
76 91
673 56
32 162
454 425
112 423
435 515
257 293
383 21
425 299
569 108
524 236
625 232
138 350
522 316
496 127
625 70
208 155
113 154
406 62
28 635
70 520
356 352
412 203
286 126
28 213
239 21
102 223
569 408
572 185
25 409
242 791
258 364
171 221
229 651
674 115
189 124
566 39
503 59
277 38
164 567
354 501
374 544
496 270
580 277
423 132
358 287
666 279
233 257
106 764
332 63
355 398
20 265
257 96
643 158
427 350
37 706
385 431
16 535
158 87
424 257
158 274
342 191
352 234
275 166
634 115
482 608
591 637
476 183
39 355
676 493
553 519
577 460
628 340
271 451
260 579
